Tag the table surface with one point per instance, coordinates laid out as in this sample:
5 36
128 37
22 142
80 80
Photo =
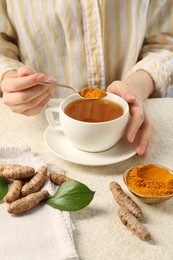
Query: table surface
98 232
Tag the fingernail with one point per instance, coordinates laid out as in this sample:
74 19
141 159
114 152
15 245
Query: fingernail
40 77
141 150
131 137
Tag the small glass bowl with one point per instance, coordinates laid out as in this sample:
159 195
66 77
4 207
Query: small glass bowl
147 199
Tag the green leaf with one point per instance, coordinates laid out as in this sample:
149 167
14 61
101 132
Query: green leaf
71 196
3 188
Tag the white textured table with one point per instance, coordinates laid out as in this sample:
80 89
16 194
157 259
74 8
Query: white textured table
99 235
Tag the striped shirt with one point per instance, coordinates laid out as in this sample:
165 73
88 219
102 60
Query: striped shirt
88 42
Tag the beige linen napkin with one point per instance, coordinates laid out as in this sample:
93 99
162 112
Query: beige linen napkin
44 233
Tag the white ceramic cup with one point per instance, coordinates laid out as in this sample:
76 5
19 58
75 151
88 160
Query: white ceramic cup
89 136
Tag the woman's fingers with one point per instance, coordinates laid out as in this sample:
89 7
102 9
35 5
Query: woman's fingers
37 109
23 93
33 105
27 95
147 136
146 141
25 71
25 78
123 90
139 120
150 143
21 83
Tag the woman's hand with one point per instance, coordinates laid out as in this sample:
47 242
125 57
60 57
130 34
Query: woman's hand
140 121
23 93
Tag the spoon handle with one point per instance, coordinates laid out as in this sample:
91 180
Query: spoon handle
58 85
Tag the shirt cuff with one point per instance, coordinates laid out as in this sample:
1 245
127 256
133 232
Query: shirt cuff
2 72
158 72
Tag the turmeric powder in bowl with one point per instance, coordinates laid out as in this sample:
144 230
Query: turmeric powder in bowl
150 181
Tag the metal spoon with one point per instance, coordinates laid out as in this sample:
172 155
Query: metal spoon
79 92
59 85
74 89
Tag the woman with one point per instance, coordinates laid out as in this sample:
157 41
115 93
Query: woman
124 46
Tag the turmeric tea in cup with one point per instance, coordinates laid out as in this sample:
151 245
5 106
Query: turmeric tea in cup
98 110
91 125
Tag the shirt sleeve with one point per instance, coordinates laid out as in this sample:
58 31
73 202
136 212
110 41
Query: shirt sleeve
9 53
156 56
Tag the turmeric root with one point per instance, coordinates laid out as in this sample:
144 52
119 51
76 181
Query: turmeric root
2 166
36 182
16 171
132 223
14 191
124 200
58 178
26 203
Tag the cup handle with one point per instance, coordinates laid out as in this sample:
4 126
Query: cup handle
53 121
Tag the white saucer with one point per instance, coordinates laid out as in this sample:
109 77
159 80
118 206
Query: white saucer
63 148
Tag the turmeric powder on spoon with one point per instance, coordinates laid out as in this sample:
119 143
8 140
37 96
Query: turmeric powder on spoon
94 93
